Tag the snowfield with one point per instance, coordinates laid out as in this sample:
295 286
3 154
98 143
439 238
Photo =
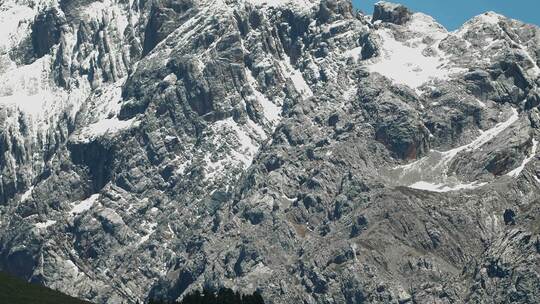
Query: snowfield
430 172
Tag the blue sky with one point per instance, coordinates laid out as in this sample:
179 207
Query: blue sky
453 13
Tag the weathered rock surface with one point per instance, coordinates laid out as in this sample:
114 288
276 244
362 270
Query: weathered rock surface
390 12
297 148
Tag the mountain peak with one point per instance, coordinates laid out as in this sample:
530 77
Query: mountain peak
487 18
391 12
307 4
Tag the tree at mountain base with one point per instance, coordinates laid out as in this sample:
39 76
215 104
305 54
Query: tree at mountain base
223 296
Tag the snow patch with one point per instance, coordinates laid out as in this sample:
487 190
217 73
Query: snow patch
481 103
150 229
74 269
44 225
246 148
304 5
26 195
241 143
535 68
106 127
407 65
272 112
261 269
354 248
350 93
422 185
181 169
354 53
84 205
14 23
257 129
296 77
28 90
144 239
108 10
517 171
292 200
485 137
104 107
430 172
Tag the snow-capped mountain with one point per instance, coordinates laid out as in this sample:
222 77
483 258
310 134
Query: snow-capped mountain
294 147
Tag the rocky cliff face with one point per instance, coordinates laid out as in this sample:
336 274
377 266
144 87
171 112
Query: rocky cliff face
294 147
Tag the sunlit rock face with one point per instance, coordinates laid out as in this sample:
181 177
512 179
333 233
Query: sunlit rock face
295 148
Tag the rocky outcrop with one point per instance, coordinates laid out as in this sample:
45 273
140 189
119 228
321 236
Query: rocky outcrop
46 30
165 17
290 148
395 124
331 10
390 12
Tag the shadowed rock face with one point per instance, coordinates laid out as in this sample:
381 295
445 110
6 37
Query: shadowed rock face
97 158
390 12
153 149
334 9
165 17
46 30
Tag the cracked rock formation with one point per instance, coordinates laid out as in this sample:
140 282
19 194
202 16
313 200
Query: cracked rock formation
297 148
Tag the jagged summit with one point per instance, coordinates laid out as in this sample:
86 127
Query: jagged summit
307 4
391 12
295 148
489 17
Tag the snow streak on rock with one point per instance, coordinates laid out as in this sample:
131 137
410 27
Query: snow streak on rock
103 109
239 143
45 225
517 171
303 5
430 172
84 205
154 144
422 185
272 112
296 77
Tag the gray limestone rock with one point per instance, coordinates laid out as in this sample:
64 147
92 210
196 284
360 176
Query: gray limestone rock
294 148
390 12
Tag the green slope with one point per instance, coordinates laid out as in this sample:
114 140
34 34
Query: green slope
16 291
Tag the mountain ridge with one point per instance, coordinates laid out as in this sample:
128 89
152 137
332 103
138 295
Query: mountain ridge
294 148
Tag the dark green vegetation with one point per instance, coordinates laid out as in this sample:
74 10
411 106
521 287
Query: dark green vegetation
16 291
223 296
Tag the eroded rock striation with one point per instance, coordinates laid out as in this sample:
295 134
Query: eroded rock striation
296 148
